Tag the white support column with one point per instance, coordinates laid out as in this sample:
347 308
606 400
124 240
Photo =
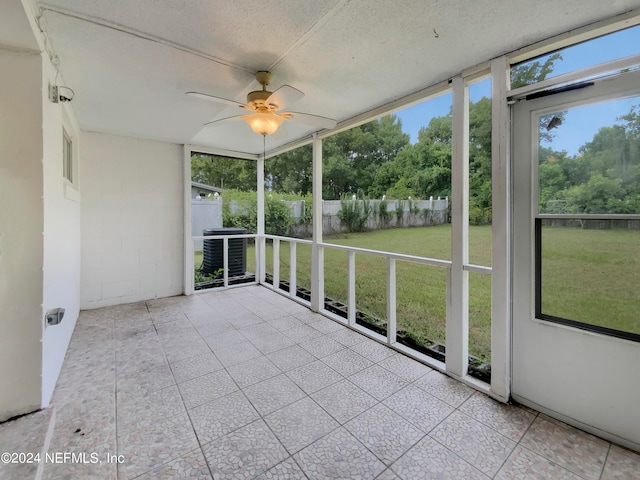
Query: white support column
260 240
317 253
351 288
293 267
457 339
500 227
225 264
188 287
391 301
276 264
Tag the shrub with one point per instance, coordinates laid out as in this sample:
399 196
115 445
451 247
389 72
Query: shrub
477 214
400 213
277 217
245 217
428 215
355 213
383 213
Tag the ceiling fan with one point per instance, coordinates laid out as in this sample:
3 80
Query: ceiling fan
266 108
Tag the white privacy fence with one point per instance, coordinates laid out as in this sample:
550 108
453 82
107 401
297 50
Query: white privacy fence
207 213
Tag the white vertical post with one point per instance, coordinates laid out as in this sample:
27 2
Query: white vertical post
293 267
391 301
457 339
320 277
188 287
225 261
500 228
260 240
351 288
276 263
317 253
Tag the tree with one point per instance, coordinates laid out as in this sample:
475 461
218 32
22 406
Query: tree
529 72
223 172
604 177
352 158
291 172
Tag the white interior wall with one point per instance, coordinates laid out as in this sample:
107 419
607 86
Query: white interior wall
21 226
61 268
132 220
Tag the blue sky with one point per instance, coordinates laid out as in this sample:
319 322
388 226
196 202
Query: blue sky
577 127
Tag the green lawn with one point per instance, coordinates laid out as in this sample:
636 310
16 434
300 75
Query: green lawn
421 289
592 276
589 275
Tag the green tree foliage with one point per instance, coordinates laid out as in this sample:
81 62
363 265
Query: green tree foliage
352 158
604 177
529 72
290 172
223 172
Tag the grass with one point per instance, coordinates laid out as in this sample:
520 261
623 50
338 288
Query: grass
421 289
592 276
588 275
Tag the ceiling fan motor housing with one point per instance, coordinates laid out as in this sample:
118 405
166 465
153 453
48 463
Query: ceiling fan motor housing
257 97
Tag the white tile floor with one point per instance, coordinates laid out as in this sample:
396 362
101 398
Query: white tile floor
244 384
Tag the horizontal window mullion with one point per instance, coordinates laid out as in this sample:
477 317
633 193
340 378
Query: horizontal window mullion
587 216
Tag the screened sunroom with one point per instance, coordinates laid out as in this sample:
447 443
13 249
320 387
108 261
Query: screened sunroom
336 239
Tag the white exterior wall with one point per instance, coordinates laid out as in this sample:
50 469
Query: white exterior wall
61 268
21 226
132 220
39 229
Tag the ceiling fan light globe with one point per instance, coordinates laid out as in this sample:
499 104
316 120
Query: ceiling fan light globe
263 123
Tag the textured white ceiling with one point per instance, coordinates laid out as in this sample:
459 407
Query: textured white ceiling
130 62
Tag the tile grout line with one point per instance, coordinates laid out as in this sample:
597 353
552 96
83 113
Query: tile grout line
563 427
241 390
604 463
308 396
115 386
495 431
518 443
553 462
181 394
376 404
262 417
47 441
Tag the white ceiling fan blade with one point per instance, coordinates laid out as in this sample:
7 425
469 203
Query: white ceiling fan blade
313 120
223 121
284 96
211 98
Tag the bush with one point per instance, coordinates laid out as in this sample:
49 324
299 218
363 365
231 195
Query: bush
355 213
413 206
400 213
277 217
246 217
428 215
383 213
477 214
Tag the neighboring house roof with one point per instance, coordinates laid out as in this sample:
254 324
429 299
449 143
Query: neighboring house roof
204 186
